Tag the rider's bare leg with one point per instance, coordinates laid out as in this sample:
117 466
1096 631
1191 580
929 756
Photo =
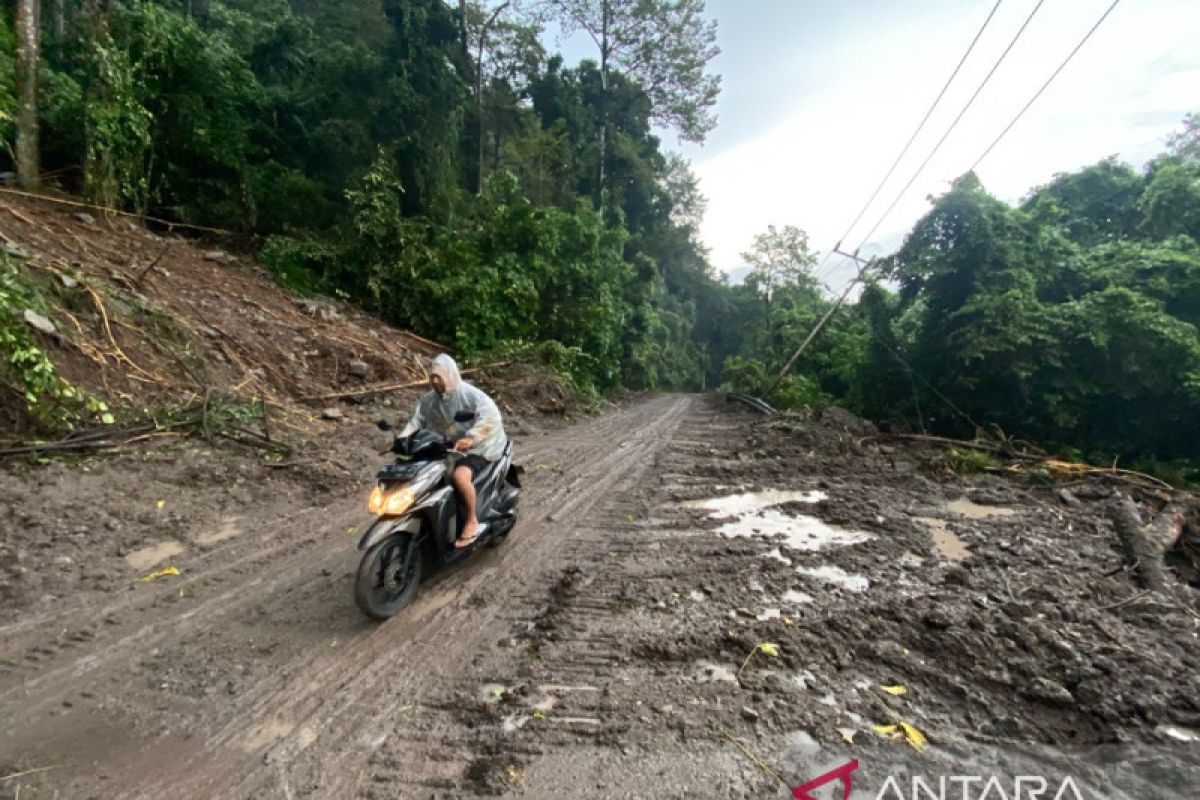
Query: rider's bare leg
466 493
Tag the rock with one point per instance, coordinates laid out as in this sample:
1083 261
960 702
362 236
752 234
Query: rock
85 218
358 368
334 414
218 256
749 713
209 332
1049 692
837 417
1068 498
68 281
63 561
39 323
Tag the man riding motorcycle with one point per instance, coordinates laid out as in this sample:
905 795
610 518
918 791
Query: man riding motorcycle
483 442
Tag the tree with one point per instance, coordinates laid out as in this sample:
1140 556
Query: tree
662 45
28 60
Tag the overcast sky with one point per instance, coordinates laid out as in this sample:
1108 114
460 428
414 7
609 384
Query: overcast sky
818 97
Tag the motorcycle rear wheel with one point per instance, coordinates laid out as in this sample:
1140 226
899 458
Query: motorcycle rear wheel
388 576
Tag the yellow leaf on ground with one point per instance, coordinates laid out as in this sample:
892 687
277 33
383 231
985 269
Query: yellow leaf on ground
886 730
847 734
913 736
160 504
162 573
895 691
770 648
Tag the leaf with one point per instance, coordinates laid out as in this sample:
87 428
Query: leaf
160 504
886 730
162 573
913 736
108 419
895 691
769 648
848 734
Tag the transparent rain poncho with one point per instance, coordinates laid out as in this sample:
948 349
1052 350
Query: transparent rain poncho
436 412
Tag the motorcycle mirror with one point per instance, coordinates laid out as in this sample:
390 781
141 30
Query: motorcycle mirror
383 425
464 416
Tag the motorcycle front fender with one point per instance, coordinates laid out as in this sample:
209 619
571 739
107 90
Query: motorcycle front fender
383 527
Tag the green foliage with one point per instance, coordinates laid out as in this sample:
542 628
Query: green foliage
25 368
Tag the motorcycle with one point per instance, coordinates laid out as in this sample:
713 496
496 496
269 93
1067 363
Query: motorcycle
419 517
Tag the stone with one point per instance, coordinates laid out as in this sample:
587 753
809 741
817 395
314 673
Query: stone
749 713
334 414
358 368
39 323
85 218
68 281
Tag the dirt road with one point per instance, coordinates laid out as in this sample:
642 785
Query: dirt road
611 647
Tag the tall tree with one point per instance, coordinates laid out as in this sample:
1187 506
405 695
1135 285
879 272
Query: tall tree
28 59
662 45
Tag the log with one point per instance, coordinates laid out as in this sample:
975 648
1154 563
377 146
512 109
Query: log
1146 544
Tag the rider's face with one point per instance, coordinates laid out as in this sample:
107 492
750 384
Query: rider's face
437 383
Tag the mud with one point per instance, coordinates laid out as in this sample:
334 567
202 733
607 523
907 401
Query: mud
610 649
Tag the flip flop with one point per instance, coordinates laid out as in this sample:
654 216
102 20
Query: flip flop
464 542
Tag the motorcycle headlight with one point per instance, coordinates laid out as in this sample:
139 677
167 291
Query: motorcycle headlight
375 501
399 501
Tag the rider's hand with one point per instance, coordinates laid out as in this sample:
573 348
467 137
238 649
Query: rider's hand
464 444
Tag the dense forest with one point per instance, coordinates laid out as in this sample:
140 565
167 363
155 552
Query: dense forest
439 164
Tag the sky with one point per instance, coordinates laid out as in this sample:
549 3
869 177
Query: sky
818 98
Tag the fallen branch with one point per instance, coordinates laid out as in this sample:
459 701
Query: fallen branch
1146 544
26 772
758 762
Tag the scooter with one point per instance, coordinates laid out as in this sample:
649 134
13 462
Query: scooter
419 516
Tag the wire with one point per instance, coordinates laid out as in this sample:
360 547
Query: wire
913 138
953 124
1049 80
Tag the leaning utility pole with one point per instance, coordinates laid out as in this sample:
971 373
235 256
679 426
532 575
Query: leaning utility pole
862 269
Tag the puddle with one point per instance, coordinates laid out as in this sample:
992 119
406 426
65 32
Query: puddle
965 508
228 530
738 504
146 557
796 598
944 539
769 614
837 577
808 534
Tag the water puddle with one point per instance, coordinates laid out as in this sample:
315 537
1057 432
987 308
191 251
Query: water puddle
769 614
837 576
808 534
1178 734
944 539
146 557
228 530
965 508
797 598
748 502
777 555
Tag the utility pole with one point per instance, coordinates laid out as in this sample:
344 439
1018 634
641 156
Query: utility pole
862 269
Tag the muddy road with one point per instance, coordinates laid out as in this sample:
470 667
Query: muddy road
696 602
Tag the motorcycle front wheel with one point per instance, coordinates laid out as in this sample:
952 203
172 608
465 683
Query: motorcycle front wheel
388 576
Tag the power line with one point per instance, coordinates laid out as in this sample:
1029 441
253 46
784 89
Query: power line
953 124
1049 80
913 138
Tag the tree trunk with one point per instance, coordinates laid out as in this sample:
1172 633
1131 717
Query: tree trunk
59 18
1145 545
479 107
28 56
603 105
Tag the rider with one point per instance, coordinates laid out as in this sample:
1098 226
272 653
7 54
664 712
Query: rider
484 442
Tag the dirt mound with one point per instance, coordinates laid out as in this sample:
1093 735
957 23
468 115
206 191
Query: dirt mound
142 319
